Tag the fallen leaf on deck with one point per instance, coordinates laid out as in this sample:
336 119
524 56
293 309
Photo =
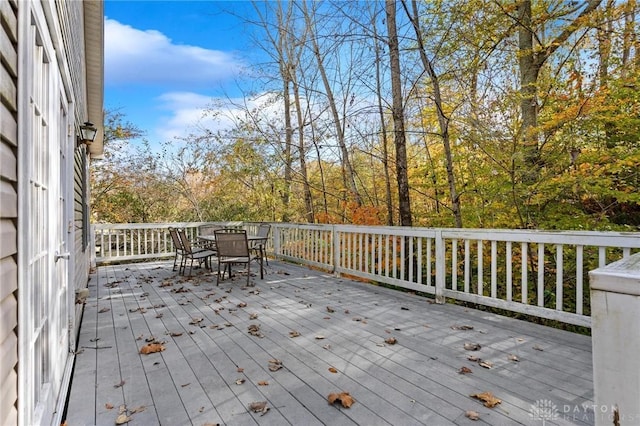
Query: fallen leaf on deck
240 370
138 409
472 346
346 311
333 370
152 348
195 321
513 358
185 385
326 347
242 305
108 406
472 415
175 334
486 364
473 358
404 308
294 333
263 383
344 398
489 400
103 310
259 407
122 419
462 327
391 341
275 364
319 337
465 370
253 316
254 330
119 385
538 348
330 309
239 381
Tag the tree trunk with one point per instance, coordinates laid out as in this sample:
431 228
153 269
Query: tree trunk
443 120
349 174
383 129
532 58
308 200
397 112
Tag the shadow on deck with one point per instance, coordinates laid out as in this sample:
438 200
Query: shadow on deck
213 368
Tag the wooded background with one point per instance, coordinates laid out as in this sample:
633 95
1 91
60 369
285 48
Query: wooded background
452 113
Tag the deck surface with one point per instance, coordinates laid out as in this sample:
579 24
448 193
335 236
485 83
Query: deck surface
213 368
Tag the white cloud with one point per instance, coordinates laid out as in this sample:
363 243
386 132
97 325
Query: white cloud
134 56
190 113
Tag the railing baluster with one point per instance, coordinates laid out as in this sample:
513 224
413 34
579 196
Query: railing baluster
602 256
454 264
579 279
509 271
559 274
420 277
494 269
540 274
525 279
467 266
480 269
429 260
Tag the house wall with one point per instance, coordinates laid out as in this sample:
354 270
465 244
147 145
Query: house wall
48 87
8 211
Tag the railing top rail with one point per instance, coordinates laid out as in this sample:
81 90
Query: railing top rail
101 226
587 238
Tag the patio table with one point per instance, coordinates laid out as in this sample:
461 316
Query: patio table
255 241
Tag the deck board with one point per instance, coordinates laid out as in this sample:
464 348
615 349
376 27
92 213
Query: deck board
208 348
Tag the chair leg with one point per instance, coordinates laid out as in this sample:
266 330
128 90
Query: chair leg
218 276
261 268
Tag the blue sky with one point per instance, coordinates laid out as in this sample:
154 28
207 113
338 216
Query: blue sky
165 61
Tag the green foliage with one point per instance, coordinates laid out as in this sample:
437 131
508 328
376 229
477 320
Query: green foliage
588 131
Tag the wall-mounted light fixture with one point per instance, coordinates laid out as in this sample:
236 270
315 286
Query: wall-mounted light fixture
87 132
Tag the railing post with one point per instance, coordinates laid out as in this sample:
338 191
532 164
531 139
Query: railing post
336 249
615 315
276 242
440 267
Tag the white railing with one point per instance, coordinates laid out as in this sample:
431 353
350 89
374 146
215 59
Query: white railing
144 241
538 273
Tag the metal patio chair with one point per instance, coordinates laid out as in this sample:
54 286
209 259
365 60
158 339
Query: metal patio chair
189 252
233 248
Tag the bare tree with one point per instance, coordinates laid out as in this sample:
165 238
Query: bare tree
443 120
397 112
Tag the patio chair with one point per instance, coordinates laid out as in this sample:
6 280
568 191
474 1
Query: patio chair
233 248
207 231
259 246
202 255
177 244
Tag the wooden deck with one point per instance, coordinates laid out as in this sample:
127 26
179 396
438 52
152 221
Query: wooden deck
212 368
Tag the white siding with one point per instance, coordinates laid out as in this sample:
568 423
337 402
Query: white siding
8 212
